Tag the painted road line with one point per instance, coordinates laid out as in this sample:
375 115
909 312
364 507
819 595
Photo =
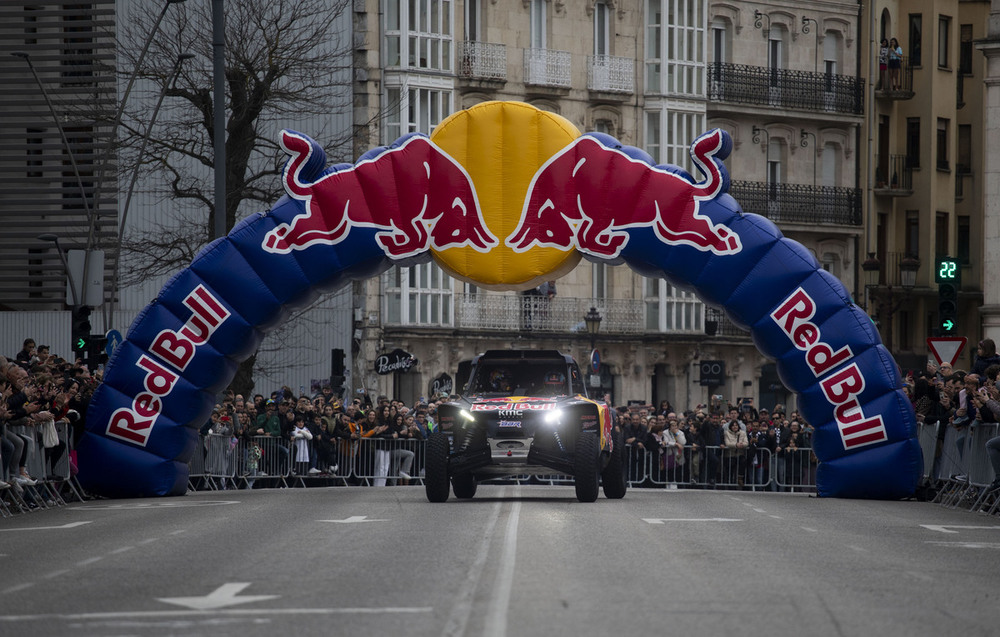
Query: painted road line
231 612
71 525
496 617
665 520
943 528
354 519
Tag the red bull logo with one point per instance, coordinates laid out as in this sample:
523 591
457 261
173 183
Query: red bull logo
570 203
415 196
584 199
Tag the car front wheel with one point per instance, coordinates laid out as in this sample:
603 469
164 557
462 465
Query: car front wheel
586 467
613 476
436 467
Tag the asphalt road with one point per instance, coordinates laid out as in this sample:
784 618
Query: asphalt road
514 561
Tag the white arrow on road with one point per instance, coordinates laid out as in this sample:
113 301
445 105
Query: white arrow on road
225 595
943 528
71 525
662 520
353 519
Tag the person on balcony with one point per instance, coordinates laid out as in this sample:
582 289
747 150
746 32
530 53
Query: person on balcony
895 63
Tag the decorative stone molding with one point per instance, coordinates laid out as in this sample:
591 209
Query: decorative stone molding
728 12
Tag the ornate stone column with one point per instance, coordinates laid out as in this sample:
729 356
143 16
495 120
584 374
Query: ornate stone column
990 47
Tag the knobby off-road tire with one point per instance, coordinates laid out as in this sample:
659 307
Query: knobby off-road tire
587 467
464 486
613 476
436 467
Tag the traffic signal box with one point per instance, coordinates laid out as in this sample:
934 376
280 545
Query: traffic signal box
948 276
80 331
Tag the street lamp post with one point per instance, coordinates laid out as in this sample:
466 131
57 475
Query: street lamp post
804 143
593 321
805 29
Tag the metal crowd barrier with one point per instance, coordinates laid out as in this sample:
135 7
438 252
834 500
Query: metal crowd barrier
710 467
51 483
964 470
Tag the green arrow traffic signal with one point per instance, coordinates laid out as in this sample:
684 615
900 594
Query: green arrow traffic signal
948 325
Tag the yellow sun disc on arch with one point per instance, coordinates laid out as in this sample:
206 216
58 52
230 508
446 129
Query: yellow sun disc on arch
502 145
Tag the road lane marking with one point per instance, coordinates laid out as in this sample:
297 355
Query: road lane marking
55 574
943 528
462 610
967 545
806 528
664 520
18 587
90 560
172 504
71 525
226 595
228 612
354 519
496 617
123 549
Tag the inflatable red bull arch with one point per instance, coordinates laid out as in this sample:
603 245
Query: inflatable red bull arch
506 196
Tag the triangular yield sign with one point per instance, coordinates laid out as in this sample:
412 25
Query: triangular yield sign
946 349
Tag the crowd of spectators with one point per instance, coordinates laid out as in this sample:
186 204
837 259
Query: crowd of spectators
732 444
961 400
39 391
735 445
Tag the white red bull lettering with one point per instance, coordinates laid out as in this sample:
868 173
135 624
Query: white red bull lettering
505 406
842 388
134 424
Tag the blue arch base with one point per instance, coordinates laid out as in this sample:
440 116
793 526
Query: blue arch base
186 345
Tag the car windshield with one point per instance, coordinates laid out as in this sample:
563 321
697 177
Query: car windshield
520 378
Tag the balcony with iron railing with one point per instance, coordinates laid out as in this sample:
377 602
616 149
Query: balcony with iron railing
537 313
483 61
797 203
543 67
899 86
611 74
893 176
798 90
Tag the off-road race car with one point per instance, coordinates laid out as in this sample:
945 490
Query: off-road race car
524 412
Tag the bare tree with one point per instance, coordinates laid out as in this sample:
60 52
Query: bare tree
285 60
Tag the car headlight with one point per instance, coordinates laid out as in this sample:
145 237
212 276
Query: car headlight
464 413
553 417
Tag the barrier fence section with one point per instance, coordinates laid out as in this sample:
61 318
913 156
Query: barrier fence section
49 468
961 468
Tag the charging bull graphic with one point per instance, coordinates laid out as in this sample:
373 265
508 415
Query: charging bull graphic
570 203
415 195
551 195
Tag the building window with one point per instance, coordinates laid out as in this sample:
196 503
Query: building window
669 309
774 152
473 18
963 239
418 34
538 26
916 30
911 237
653 135
964 163
602 36
944 28
419 110
913 142
942 144
419 295
831 166
721 42
669 134
675 49
965 50
941 235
